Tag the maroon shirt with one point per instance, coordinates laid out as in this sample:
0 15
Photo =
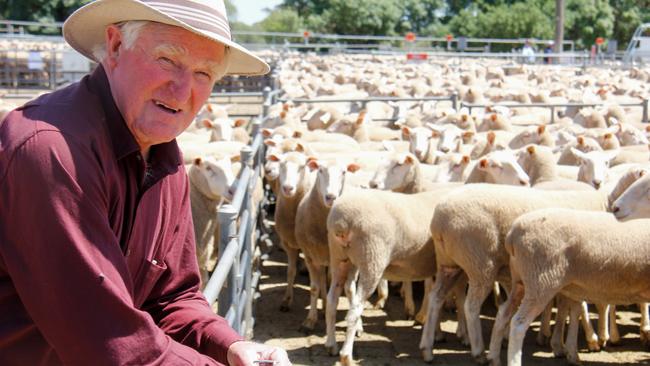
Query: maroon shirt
97 258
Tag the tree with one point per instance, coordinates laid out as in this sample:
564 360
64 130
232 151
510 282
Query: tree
282 20
585 20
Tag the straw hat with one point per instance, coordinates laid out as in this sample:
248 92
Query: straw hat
85 28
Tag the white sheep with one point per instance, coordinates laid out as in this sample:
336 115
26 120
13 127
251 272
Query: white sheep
468 229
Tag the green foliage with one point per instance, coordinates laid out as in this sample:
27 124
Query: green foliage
282 20
361 17
588 19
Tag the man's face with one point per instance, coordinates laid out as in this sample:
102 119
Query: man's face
160 83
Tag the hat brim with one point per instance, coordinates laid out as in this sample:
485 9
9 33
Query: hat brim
85 29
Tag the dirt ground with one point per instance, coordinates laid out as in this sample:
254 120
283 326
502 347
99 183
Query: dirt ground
390 340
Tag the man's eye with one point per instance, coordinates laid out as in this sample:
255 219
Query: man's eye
204 75
165 61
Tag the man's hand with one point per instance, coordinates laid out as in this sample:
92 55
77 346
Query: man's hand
245 353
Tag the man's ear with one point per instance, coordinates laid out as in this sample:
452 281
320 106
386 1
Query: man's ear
113 39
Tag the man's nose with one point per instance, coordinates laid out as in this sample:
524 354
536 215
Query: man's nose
182 86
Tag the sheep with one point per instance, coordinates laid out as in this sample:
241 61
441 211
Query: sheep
603 260
450 135
594 166
468 229
535 135
359 129
225 129
211 183
582 143
192 150
384 235
499 167
421 143
310 226
539 163
294 183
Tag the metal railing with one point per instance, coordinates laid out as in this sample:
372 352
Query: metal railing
552 106
234 280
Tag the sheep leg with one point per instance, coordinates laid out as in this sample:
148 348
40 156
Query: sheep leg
615 336
557 339
531 306
339 277
590 335
366 285
446 278
603 321
476 295
421 316
645 324
409 304
496 291
544 333
458 294
351 290
382 294
506 310
571 344
315 275
292 260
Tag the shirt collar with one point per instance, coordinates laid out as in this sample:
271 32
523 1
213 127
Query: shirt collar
165 157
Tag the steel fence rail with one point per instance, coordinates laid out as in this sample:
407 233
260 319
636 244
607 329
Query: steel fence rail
644 104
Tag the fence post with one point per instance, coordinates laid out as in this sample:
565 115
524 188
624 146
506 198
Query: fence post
645 111
267 103
247 159
228 231
454 101
552 114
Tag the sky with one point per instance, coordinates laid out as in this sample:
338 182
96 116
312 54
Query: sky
251 11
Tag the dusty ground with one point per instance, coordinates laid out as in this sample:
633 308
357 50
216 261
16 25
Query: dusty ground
390 340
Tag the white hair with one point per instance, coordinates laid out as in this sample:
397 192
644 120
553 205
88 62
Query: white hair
130 31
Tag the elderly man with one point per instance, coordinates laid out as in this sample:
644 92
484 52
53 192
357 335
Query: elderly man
97 257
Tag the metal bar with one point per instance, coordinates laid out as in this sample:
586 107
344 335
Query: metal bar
228 227
645 111
371 99
242 188
218 278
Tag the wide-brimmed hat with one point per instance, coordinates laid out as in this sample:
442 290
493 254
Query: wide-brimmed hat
85 28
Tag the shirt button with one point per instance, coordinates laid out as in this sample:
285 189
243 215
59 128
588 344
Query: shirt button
154 262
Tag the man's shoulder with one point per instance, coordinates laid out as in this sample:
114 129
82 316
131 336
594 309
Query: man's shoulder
72 115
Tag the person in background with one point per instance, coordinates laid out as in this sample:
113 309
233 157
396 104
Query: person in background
528 52
548 49
97 251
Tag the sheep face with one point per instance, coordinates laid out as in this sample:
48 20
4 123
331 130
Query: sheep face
629 135
218 176
221 129
449 135
330 179
419 138
634 203
594 166
501 167
392 174
292 170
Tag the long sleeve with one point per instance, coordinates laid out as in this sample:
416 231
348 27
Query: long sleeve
176 303
65 263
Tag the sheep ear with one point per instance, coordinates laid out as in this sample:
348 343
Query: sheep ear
467 136
483 164
361 119
531 149
312 163
275 157
641 172
197 161
406 131
270 142
647 128
408 159
296 134
491 137
493 117
209 107
206 123
300 147
581 140
541 129
239 122
465 159
464 117
267 132
285 107
353 167
235 158
283 114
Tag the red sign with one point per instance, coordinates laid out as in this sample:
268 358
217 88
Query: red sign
410 37
417 56
306 34
600 40
449 37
